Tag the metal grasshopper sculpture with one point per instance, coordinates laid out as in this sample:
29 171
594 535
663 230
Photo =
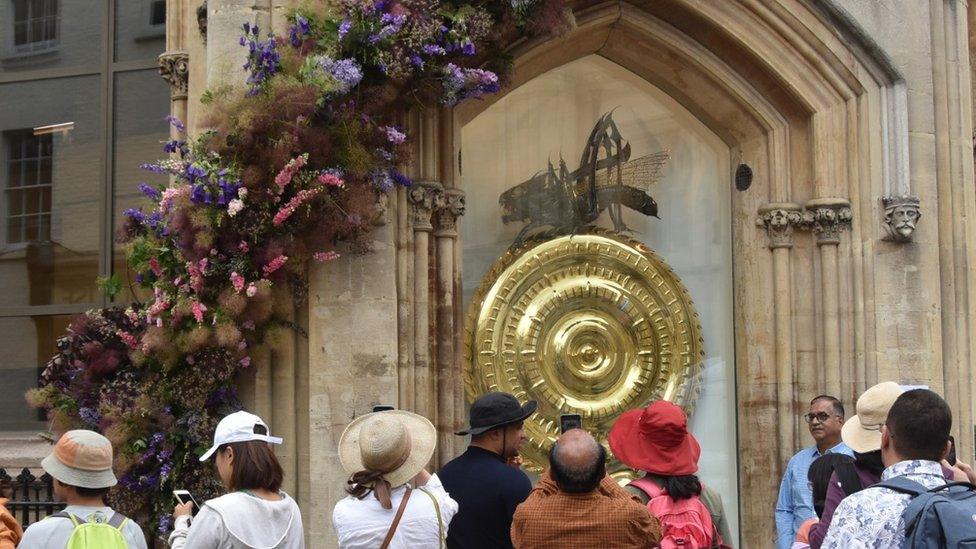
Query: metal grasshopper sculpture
558 201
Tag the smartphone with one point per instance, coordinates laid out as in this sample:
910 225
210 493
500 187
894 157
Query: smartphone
570 421
951 456
383 408
183 496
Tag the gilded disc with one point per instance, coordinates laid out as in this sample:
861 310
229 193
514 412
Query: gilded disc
594 324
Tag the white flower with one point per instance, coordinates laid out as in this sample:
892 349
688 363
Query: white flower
234 206
242 192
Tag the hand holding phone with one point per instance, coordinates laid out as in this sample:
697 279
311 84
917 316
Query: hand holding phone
185 504
570 421
951 456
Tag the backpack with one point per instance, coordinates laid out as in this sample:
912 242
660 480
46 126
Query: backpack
686 524
96 533
944 516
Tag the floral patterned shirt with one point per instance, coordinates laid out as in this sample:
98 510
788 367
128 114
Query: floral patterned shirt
871 518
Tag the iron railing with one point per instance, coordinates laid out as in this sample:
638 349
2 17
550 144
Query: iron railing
32 498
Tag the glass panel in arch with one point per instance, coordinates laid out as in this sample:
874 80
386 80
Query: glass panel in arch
673 159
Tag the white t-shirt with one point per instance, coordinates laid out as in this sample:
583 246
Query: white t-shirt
363 523
54 532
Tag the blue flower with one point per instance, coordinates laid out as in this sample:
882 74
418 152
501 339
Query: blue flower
151 192
416 61
135 215
346 72
344 28
176 123
194 172
400 179
152 167
433 49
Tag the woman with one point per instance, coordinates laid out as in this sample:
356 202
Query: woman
820 473
656 440
255 513
393 501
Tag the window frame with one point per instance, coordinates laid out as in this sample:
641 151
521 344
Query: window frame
12 51
7 159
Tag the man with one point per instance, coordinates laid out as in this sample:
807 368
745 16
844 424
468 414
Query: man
795 504
577 505
914 440
81 465
485 480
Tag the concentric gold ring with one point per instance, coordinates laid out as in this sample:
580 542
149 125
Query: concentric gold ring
594 324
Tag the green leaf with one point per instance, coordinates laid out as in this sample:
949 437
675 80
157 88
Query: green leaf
112 286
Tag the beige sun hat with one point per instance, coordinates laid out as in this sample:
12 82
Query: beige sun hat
395 442
81 458
862 433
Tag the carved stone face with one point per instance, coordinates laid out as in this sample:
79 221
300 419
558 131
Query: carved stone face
903 219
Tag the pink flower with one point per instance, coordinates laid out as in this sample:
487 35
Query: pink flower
198 310
286 174
325 256
155 267
251 290
237 280
330 180
128 339
285 212
203 265
274 264
243 246
234 207
246 362
190 360
196 277
170 195
248 324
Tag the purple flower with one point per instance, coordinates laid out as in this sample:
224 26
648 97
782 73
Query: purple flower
400 179
467 48
344 28
416 61
461 84
176 123
201 194
153 167
394 135
151 192
194 172
381 180
303 25
263 59
345 71
90 416
433 49
165 525
384 154
135 215
175 145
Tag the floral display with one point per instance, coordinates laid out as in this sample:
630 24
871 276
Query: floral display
288 169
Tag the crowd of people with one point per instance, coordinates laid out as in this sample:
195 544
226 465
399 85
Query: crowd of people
854 488
886 477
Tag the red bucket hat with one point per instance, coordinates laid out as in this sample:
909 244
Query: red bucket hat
655 440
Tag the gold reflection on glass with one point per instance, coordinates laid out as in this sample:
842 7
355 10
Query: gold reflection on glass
594 324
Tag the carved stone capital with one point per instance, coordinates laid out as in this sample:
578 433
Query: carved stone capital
423 196
382 213
901 215
779 219
450 209
174 67
827 217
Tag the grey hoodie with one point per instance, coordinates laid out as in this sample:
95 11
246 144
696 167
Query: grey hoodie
240 521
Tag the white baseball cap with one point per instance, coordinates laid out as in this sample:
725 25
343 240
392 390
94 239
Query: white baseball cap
239 427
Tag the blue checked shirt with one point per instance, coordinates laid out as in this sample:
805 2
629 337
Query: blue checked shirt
795 503
871 518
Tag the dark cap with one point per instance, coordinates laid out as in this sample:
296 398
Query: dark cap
494 410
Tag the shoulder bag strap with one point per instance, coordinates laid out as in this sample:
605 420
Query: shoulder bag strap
440 523
396 519
117 521
64 514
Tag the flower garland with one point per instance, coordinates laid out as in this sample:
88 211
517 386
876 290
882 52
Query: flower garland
290 167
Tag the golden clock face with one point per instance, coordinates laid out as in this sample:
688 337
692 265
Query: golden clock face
593 324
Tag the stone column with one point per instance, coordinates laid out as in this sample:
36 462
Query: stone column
828 217
423 197
779 219
448 363
174 64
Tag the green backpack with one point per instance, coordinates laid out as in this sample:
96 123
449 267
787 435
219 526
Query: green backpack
95 533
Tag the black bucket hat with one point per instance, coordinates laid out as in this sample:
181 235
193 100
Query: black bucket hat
494 410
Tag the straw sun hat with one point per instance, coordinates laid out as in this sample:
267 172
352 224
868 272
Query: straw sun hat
862 433
395 442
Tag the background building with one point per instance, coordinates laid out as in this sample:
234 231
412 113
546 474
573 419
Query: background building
853 117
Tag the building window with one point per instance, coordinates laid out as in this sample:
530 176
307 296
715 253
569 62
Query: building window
157 13
35 24
28 190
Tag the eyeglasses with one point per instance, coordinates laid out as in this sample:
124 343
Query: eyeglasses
820 416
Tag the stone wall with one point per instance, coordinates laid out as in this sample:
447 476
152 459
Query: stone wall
834 104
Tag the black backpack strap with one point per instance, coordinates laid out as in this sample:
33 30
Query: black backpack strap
967 485
850 483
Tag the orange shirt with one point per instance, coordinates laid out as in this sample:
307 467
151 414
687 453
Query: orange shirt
10 530
607 517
